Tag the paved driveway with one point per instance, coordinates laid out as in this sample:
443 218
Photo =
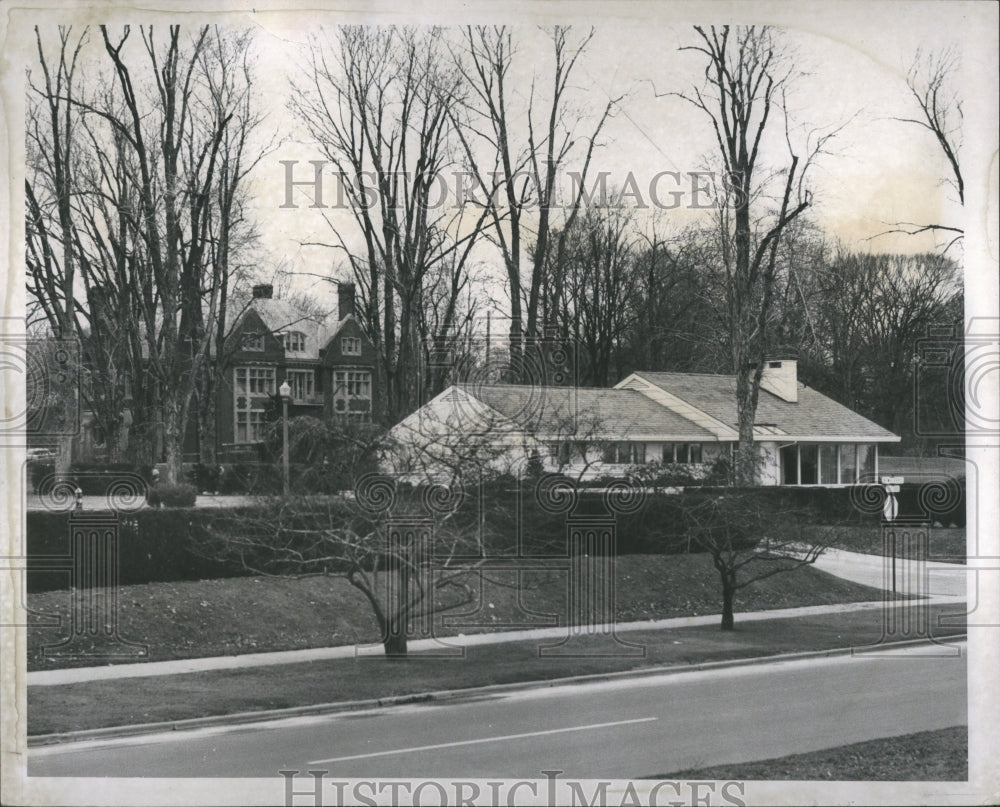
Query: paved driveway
912 577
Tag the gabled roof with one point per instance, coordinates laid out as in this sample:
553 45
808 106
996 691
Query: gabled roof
586 413
281 316
813 416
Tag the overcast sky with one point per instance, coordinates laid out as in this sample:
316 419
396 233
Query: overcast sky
854 59
880 170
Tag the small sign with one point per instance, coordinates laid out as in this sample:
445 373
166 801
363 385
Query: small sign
892 480
891 508
892 488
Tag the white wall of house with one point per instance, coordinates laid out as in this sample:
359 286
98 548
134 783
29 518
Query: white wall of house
456 433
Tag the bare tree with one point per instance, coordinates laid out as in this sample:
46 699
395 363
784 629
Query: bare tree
749 540
591 293
931 80
519 171
675 325
870 311
229 77
743 97
160 150
49 187
377 102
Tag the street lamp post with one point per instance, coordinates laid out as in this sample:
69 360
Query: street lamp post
285 392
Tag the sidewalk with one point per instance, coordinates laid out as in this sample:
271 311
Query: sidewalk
35 502
254 660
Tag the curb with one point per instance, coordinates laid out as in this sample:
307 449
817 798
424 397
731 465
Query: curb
239 718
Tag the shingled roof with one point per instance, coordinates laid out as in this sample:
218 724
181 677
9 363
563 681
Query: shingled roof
587 413
282 316
812 416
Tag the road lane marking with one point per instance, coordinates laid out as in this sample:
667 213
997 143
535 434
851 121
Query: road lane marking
499 738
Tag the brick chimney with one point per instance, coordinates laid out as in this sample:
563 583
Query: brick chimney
781 378
345 300
263 291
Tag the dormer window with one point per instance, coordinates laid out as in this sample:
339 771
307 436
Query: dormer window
350 346
295 342
253 341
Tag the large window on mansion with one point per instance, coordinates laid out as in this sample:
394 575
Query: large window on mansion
302 383
295 342
252 386
350 346
254 381
352 391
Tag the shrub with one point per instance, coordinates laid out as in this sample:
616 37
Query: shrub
172 496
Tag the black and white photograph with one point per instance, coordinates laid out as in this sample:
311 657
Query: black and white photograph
523 403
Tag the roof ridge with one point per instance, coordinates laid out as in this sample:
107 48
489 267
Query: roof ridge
536 386
681 372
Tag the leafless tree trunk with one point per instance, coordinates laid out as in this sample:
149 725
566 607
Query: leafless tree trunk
49 181
744 79
748 540
591 294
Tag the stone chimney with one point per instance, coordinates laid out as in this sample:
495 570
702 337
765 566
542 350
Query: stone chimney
345 300
263 291
781 378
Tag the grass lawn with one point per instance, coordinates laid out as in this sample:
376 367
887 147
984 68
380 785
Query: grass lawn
927 756
95 704
258 614
945 544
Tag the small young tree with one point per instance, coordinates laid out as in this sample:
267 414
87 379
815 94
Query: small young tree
404 548
748 541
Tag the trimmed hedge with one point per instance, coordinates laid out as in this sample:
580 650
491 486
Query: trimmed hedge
160 545
153 546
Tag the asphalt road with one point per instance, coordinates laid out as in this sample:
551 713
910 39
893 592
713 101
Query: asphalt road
628 728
